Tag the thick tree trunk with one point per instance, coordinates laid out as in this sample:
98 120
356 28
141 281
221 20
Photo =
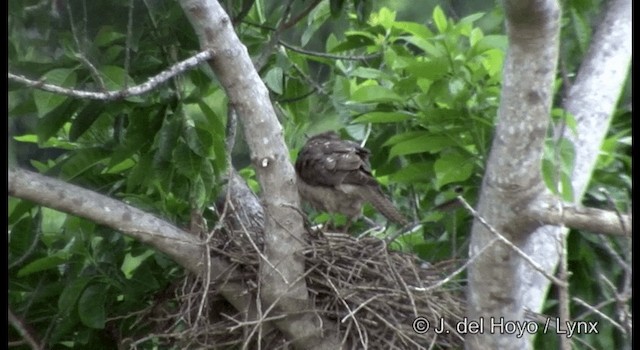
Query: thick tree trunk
513 178
283 288
501 283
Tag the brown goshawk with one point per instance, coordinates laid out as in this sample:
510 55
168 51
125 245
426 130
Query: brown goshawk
334 175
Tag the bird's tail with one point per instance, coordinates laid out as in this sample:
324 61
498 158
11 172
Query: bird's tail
384 205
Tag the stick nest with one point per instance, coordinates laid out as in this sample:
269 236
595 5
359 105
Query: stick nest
372 295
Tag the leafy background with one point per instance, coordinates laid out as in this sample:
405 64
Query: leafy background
419 82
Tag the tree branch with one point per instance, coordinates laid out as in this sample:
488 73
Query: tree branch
283 225
588 219
179 245
184 248
143 88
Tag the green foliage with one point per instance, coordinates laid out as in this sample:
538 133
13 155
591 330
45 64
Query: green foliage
430 94
424 97
161 152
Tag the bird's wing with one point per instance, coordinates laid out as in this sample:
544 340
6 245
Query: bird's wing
335 161
326 160
353 165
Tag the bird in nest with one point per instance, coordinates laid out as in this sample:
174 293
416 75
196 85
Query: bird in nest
334 175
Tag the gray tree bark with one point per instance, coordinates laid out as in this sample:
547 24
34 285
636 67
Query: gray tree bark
283 288
501 283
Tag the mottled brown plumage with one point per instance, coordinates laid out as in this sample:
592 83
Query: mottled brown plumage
334 175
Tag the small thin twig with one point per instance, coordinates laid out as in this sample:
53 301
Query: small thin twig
93 70
328 55
240 324
355 321
23 330
563 291
457 271
599 313
509 244
293 21
127 50
255 246
207 280
267 49
74 32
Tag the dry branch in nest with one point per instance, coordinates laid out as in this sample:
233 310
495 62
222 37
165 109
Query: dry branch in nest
375 294
372 294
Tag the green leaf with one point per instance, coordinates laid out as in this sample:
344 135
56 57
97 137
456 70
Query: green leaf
472 18
143 125
375 93
567 187
47 101
475 36
413 173
581 29
274 80
405 242
53 121
315 20
336 7
218 133
42 264
82 161
30 138
355 39
370 73
489 42
493 62
131 263
52 221
198 195
83 121
91 308
18 208
114 77
427 46
432 69
216 123
439 19
167 140
71 293
120 167
140 173
426 143
452 167
363 9
415 29
433 250
383 117
556 176
406 136
560 115
199 141
22 234
107 36
186 162
385 17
